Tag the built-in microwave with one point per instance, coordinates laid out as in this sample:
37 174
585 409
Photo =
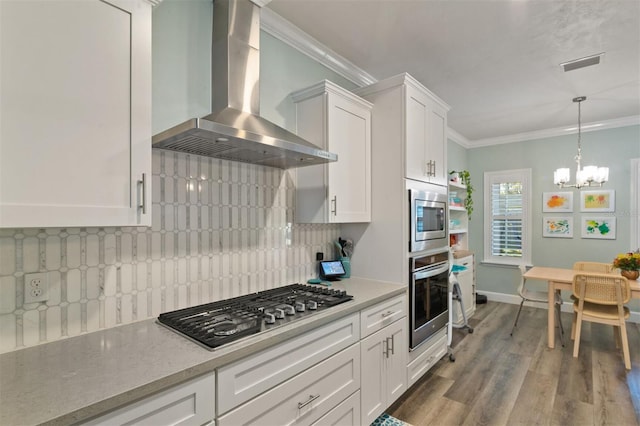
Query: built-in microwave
428 216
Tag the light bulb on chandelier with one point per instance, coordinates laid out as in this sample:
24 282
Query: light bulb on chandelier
587 176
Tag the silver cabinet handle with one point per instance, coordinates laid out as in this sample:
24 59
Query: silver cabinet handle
387 314
385 350
389 350
143 203
431 168
307 402
393 344
334 201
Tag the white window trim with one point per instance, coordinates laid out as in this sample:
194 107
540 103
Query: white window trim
524 176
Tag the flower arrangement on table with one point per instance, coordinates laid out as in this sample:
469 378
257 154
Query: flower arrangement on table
627 261
629 264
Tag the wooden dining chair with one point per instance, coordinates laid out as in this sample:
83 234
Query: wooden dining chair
599 267
601 299
527 295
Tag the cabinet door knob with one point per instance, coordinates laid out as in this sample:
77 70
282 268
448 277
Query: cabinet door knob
308 401
143 197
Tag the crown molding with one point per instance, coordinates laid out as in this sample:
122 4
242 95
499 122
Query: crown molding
557 131
285 31
456 137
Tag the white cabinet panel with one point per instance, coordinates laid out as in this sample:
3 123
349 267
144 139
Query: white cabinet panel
408 113
467 287
303 399
347 413
436 348
384 366
379 316
240 381
75 112
190 403
340 122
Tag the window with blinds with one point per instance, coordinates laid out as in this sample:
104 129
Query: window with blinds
507 203
506 217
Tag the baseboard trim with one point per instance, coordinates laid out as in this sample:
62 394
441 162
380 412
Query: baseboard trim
515 300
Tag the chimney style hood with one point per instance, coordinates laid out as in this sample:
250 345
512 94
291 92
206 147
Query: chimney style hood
234 130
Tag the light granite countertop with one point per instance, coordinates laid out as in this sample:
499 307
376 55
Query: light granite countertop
74 379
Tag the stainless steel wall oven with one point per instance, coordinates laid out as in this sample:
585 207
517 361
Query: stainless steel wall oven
428 296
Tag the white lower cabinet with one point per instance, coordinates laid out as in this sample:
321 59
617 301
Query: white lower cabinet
347 413
190 403
467 287
306 397
242 380
434 349
383 369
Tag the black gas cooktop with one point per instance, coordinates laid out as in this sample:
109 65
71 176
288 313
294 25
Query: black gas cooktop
218 323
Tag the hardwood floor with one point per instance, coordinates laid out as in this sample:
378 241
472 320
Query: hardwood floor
498 379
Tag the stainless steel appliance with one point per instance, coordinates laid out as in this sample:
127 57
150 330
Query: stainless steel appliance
428 296
235 130
427 216
218 323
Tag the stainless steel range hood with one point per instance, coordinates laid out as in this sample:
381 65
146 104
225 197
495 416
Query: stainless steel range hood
235 131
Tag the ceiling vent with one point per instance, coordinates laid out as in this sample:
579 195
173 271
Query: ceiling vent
582 62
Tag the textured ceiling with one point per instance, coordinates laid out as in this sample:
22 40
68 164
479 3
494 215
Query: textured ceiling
495 62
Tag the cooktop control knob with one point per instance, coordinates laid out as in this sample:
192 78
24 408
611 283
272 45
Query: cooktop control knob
289 310
312 305
300 307
269 318
279 313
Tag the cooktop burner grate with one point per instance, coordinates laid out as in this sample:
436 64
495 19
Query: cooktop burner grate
217 323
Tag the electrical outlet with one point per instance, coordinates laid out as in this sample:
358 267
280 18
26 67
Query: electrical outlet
36 287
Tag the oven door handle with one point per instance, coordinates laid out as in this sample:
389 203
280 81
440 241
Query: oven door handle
425 273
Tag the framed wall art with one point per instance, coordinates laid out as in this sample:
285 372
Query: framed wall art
557 202
557 227
601 227
598 201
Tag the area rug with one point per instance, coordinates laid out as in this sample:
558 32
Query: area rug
386 420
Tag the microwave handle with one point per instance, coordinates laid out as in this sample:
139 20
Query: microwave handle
428 272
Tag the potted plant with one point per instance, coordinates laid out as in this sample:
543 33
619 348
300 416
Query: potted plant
629 264
465 179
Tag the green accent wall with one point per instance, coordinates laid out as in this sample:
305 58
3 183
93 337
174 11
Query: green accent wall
456 156
612 147
182 68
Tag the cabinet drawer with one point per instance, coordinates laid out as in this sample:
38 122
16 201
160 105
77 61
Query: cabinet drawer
465 261
345 414
189 403
305 398
382 314
420 365
244 379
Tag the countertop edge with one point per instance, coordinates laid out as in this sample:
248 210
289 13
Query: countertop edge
216 359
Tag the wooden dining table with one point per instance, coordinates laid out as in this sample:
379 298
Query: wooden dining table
562 279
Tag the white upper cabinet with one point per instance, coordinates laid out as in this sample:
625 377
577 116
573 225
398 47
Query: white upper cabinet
419 119
338 121
75 108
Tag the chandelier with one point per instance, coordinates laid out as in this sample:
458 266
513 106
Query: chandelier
587 176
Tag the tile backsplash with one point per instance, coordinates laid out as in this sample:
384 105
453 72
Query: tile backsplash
220 229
